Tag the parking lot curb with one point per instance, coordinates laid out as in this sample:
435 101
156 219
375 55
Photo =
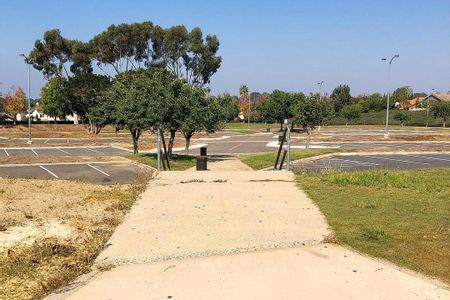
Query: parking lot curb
309 159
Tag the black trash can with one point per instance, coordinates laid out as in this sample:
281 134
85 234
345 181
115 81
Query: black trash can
203 151
280 138
202 163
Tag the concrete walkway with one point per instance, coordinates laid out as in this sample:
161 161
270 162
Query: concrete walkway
238 235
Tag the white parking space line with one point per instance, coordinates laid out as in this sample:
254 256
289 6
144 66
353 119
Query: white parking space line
332 167
97 169
354 161
7 154
46 141
63 151
428 157
51 173
234 147
399 160
96 151
35 153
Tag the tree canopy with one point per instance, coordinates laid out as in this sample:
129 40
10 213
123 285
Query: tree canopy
279 106
14 103
341 97
124 47
53 100
441 110
139 97
83 96
402 94
309 113
402 116
351 112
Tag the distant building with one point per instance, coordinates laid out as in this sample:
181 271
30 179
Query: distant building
437 97
421 103
37 114
412 104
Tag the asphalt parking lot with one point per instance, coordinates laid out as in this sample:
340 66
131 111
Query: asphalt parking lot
376 161
62 151
108 173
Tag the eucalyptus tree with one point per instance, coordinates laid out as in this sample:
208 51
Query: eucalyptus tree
186 54
50 54
123 47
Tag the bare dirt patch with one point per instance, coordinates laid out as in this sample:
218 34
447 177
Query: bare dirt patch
52 230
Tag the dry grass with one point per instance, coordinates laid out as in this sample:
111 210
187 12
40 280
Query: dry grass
30 271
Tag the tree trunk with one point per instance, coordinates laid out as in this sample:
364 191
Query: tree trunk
308 140
187 136
401 124
443 124
281 126
170 144
135 134
346 123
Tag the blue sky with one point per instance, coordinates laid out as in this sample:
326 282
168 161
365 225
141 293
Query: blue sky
287 45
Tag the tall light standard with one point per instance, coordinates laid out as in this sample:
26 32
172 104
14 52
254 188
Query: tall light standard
386 130
320 88
249 105
29 99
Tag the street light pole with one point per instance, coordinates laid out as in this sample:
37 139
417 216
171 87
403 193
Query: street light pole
249 105
386 129
320 88
29 99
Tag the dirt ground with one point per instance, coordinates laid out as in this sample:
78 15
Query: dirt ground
52 230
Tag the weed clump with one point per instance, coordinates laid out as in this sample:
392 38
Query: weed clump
374 233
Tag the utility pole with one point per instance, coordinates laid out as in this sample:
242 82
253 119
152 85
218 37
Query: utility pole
386 129
29 99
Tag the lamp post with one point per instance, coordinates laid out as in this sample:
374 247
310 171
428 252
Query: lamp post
29 99
386 130
249 105
320 88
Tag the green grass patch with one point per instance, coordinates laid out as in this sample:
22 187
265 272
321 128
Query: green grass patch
260 161
401 216
178 163
418 118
